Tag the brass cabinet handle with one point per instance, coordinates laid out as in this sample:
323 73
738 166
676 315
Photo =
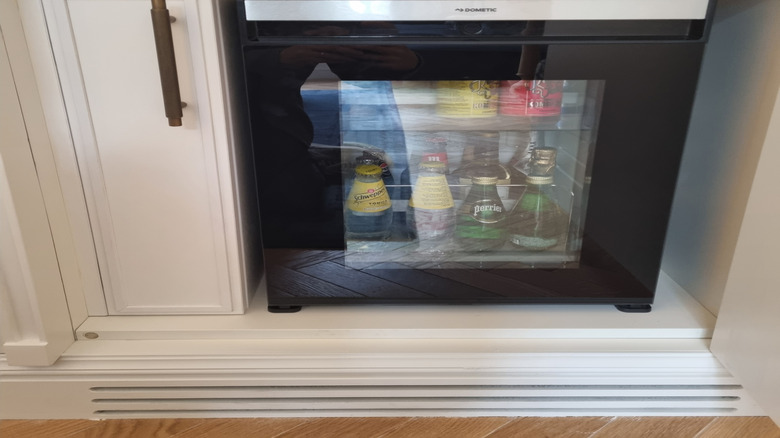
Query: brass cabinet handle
163 40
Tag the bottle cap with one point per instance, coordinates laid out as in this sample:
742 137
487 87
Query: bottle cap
546 155
484 180
543 161
533 179
365 159
368 169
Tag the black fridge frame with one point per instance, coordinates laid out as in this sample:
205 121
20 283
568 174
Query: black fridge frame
632 190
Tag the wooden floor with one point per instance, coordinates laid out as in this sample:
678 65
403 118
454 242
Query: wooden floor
493 427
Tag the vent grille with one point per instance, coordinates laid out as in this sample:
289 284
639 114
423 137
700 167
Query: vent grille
470 400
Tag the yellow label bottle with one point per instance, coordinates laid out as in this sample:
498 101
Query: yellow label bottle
368 213
431 212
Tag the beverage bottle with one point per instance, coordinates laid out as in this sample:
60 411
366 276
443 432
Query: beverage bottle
430 147
519 164
542 162
481 159
431 210
433 148
537 222
480 221
377 159
368 213
524 149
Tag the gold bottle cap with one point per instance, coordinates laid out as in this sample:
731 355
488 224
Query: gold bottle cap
533 179
484 180
543 161
547 154
368 169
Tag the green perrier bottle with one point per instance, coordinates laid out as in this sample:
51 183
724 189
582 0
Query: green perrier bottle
481 218
537 222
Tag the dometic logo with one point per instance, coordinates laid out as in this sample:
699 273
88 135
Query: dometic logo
476 9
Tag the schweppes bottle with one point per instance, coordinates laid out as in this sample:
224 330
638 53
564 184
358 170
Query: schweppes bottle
368 213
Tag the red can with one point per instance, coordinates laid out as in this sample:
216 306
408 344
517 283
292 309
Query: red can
530 98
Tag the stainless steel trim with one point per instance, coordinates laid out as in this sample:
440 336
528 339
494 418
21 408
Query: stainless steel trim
487 10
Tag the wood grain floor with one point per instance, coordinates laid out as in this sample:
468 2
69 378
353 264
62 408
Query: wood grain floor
492 427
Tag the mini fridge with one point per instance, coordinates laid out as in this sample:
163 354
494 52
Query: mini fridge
461 152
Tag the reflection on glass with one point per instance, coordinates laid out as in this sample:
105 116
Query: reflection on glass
346 29
527 167
344 135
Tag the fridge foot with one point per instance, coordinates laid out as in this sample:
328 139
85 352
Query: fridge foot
634 308
284 309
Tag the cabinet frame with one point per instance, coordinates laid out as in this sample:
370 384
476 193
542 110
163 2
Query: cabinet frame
210 111
107 358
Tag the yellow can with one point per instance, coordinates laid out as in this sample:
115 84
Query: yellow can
467 98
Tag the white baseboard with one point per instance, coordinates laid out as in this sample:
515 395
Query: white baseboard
317 377
382 361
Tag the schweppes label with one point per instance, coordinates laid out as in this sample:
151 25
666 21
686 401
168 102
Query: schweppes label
368 197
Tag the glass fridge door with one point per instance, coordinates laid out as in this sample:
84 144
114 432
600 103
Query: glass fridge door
471 173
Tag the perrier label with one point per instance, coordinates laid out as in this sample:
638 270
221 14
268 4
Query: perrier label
480 223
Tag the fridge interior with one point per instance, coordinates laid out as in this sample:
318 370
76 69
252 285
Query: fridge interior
395 119
480 127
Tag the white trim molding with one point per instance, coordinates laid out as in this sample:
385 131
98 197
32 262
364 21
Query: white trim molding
36 326
371 377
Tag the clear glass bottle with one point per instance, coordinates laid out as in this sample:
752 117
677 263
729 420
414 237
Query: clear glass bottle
368 213
537 222
480 159
434 148
520 163
542 162
425 147
480 223
431 211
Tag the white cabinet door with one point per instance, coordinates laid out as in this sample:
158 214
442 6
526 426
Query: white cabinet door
153 191
747 335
